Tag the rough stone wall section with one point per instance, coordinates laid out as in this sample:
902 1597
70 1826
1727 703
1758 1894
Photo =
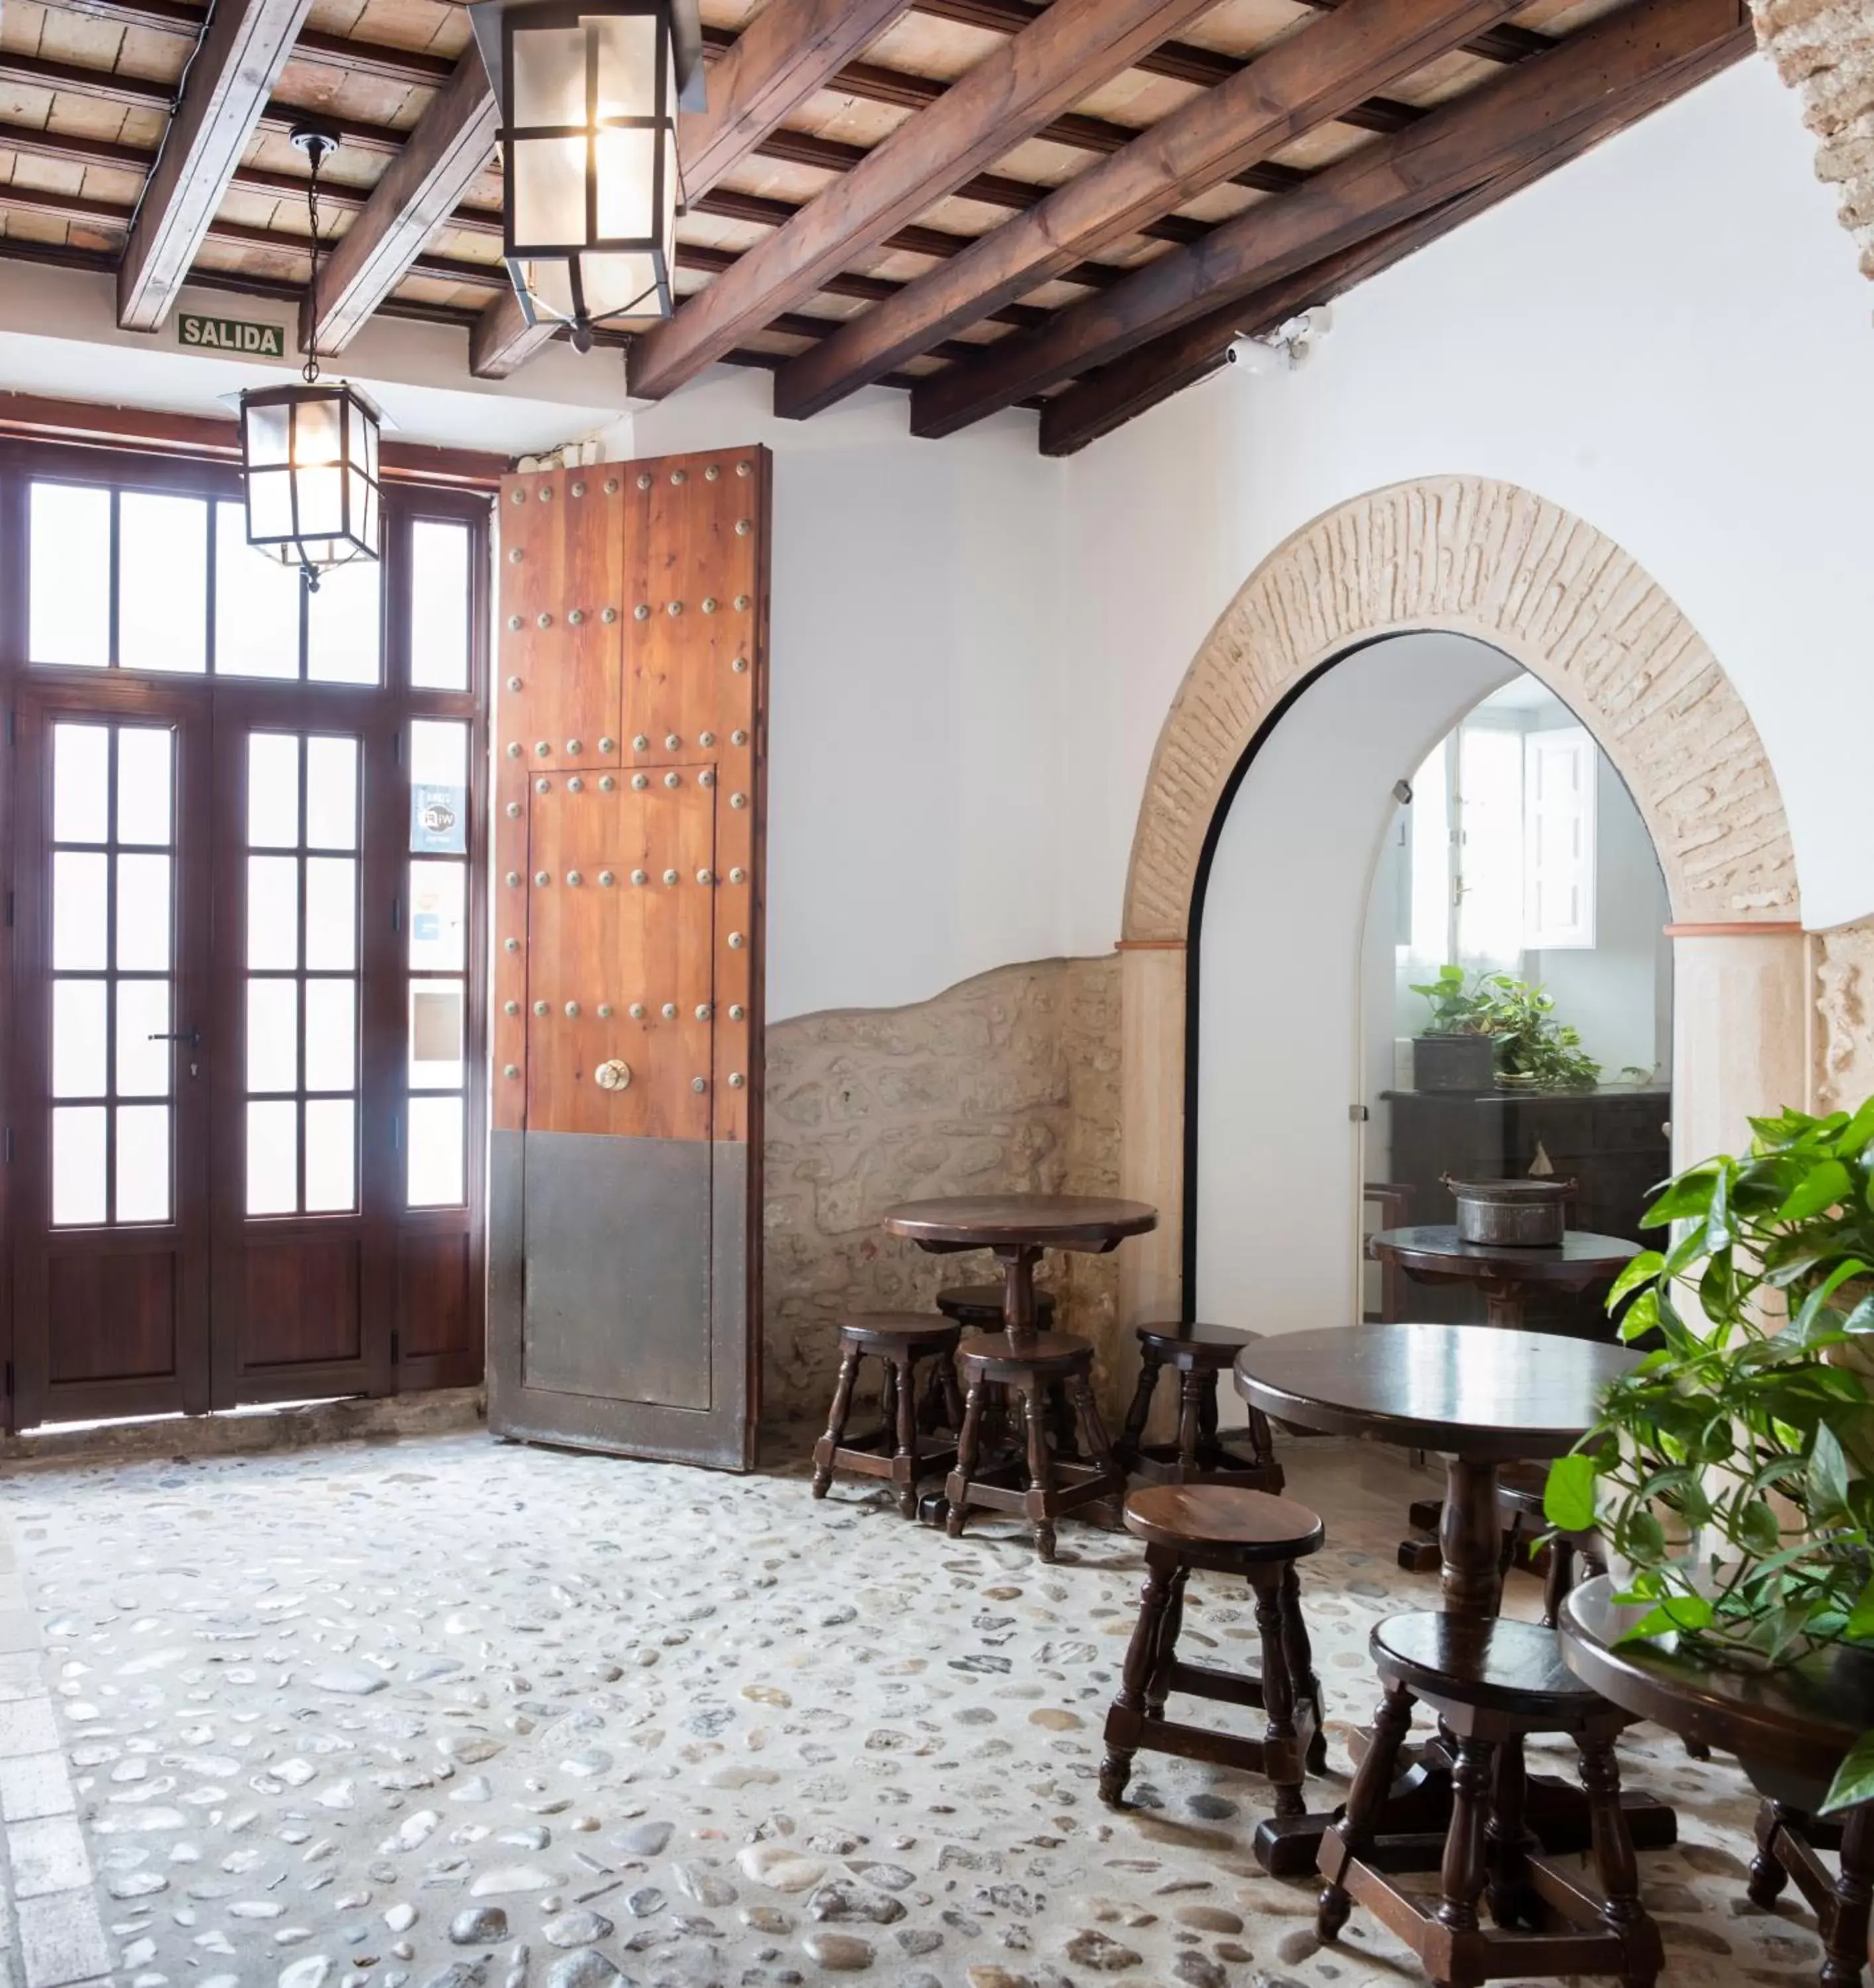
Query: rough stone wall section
1824 50
1486 559
1009 1081
1844 970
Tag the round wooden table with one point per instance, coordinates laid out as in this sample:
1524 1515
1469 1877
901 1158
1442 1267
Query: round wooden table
1431 1253
1018 1227
1481 1396
1790 1728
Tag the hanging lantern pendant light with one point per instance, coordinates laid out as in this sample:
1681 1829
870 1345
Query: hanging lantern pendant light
589 92
309 452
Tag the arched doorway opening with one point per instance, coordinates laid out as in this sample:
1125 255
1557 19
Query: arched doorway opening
1425 802
1466 556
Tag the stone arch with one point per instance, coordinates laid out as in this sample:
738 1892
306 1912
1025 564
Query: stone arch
1475 557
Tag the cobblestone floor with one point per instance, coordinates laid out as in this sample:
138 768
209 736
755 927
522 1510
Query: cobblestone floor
441 1711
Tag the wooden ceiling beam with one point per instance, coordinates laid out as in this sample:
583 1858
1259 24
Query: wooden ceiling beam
329 51
1019 86
1303 82
418 192
243 48
1185 62
503 340
1112 395
790 50
1523 112
112 213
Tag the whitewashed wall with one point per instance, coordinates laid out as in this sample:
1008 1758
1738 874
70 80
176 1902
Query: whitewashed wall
1279 1161
1665 337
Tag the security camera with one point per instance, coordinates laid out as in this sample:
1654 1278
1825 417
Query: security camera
1286 346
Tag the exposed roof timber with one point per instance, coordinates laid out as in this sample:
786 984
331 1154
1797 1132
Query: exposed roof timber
112 213
869 80
503 340
418 192
791 48
1072 47
1186 63
1111 395
795 147
499 336
243 48
1300 83
1522 113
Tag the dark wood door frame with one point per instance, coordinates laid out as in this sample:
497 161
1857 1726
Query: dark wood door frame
413 1260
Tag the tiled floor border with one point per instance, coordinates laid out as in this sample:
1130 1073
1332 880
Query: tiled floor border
51 1934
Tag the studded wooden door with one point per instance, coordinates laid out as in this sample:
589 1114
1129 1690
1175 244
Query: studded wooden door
624 1211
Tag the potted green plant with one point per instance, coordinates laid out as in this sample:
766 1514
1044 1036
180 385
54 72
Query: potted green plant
1731 1472
1494 1029
1533 1050
1454 1051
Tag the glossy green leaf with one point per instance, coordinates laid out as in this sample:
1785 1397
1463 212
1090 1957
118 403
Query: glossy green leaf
1642 1270
1756 1527
1822 1186
1567 1498
1854 1779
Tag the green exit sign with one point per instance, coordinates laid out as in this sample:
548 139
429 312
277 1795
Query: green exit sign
232 334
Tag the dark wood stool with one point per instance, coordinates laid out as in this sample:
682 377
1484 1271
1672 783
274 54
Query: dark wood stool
978 1308
1027 1374
1226 1530
1492 1682
1197 1354
896 1449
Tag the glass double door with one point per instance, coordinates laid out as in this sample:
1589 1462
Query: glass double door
216 1032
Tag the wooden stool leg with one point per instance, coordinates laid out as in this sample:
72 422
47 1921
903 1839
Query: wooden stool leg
1365 1802
887 1399
1507 1842
905 1462
1559 1580
1461 1875
1278 1736
1767 1875
930 1409
1301 1654
1128 1711
1028 1394
1171 1627
1261 1447
1139 1413
1845 1937
1190 1425
953 1393
1616 1867
969 1451
836 1422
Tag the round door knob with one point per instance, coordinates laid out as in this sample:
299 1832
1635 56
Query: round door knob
613 1074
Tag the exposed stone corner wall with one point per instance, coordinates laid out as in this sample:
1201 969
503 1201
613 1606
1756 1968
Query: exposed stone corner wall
1824 50
1007 1081
1844 984
1475 557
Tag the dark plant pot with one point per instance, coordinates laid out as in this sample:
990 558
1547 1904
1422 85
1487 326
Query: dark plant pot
1453 1063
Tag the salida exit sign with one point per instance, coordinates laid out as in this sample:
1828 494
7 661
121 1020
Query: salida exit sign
232 334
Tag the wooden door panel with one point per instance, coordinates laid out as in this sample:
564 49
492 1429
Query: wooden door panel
110 1255
619 944
116 1316
623 1215
562 618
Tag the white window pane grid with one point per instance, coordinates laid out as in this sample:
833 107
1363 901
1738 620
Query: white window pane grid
113 988
302 993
